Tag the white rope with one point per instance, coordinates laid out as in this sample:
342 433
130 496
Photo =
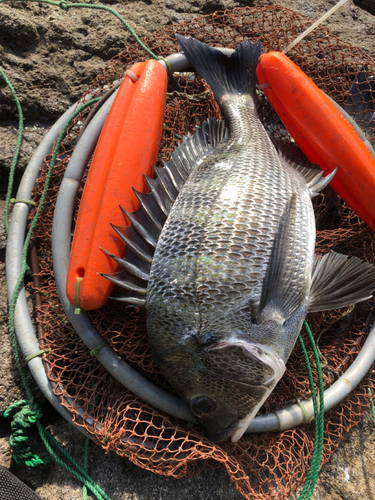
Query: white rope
313 26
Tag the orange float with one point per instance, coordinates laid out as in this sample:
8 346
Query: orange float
321 131
127 148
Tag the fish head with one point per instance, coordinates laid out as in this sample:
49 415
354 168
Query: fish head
248 372
225 382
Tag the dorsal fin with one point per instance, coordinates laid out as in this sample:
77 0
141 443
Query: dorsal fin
279 300
311 173
146 223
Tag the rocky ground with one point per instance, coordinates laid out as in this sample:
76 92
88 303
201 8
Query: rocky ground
51 57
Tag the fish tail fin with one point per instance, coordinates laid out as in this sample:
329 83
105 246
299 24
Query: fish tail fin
233 74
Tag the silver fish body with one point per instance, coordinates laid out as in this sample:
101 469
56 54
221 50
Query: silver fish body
221 254
208 270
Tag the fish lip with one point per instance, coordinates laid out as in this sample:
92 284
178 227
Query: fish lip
224 433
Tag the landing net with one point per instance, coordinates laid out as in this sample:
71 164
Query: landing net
262 466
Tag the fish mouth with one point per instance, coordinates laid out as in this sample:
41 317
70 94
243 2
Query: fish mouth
224 433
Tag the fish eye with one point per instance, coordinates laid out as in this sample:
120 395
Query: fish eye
202 406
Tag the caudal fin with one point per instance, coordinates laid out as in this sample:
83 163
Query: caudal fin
233 74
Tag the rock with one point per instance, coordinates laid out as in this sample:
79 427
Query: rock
33 134
366 5
51 57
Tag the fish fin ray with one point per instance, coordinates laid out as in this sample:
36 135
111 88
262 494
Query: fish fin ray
132 239
158 193
166 183
131 301
196 147
143 226
310 172
319 182
277 302
339 281
126 281
151 209
131 263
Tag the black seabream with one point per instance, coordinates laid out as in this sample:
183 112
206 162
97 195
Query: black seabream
221 254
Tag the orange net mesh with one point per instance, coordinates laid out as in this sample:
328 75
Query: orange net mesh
269 465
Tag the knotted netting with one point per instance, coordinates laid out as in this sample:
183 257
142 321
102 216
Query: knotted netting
267 465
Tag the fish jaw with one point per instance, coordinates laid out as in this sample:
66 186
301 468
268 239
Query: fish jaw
225 421
244 423
266 355
259 351
229 431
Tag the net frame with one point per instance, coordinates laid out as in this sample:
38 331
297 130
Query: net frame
158 442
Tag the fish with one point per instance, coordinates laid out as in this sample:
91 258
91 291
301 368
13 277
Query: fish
221 253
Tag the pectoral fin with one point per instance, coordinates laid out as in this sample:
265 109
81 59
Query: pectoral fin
339 281
280 299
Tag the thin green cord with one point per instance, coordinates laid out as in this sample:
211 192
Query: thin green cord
369 392
319 418
30 413
86 466
77 471
66 6
320 435
17 151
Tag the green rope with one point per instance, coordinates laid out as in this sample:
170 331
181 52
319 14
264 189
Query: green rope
66 6
26 246
23 419
86 466
369 392
319 418
17 151
77 471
